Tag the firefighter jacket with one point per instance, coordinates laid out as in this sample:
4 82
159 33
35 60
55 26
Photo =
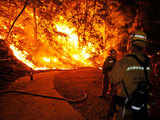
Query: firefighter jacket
129 70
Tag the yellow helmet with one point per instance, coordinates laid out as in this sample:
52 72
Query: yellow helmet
139 38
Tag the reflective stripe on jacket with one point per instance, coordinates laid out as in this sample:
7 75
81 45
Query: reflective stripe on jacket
129 70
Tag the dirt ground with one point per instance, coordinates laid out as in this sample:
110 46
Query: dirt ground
70 84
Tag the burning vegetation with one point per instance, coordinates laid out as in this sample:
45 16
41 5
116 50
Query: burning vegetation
64 34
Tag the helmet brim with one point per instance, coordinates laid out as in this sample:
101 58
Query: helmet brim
140 43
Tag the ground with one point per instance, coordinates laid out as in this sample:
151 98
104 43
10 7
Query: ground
70 84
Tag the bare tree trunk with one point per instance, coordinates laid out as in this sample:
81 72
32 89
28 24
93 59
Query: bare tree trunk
35 24
26 3
85 21
9 3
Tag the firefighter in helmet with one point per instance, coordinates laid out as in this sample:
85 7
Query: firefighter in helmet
107 67
126 75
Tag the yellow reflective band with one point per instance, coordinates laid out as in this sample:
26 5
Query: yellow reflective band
136 68
140 36
136 108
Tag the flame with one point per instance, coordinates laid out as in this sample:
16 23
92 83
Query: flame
1 37
65 35
21 55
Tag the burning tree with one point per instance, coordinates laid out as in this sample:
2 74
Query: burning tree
64 34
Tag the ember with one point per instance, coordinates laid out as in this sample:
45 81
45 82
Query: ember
66 34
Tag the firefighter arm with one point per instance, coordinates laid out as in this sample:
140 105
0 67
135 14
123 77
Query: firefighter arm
116 75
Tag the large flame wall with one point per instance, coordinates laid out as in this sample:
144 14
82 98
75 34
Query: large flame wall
64 34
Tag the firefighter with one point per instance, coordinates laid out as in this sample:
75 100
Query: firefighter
107 67
125 77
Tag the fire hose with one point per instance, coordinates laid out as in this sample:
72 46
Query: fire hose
84 97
